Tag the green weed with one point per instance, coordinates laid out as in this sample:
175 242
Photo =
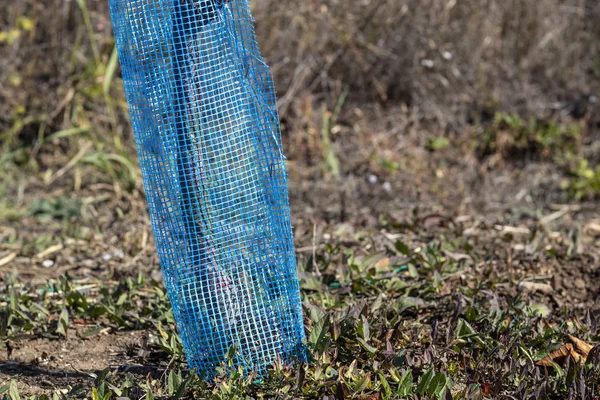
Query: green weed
583 180
512 138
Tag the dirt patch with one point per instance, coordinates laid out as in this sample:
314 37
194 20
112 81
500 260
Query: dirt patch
44 365
578 282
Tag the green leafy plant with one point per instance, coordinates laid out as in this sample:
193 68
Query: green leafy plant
583 180
512 137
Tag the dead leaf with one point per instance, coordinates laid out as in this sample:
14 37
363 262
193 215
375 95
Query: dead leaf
486 389
433 220
536 287
577 357
593 228
583 347
5 260
594 356
50 250
389 334
383 263
515 230
559 355
457 256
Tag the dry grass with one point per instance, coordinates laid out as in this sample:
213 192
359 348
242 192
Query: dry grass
449 61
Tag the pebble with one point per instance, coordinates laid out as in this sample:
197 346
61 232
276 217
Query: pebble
427 63
47 263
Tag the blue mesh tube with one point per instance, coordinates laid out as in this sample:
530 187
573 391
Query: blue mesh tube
204 115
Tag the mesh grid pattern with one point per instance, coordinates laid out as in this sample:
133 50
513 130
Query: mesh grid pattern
204 115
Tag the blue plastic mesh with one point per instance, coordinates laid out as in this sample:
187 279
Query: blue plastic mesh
204 115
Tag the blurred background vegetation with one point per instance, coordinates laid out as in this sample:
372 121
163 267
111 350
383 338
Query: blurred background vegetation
512 80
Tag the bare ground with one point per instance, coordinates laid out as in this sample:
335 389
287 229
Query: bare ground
525 237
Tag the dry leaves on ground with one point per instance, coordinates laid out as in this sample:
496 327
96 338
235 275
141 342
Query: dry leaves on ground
578 350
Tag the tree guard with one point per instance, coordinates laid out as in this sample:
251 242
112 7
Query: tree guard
204 115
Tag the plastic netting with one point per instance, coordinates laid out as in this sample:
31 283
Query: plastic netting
204 115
